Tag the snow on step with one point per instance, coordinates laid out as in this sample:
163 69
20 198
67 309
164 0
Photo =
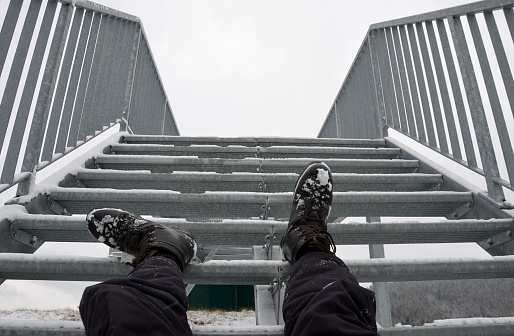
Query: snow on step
201 182
252 272
258 152
253 232
250 204
251 142
169 164
471 326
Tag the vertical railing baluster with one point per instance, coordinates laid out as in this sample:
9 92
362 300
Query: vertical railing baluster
155 97
399 118
494 99
39 119
485 145
72 90
337 120
114 82
93 87
443 90
163 116
85 76
139 88
501 56
8 27
509 16
101 88
403 81
105 80
352 103
434 98
55 123
366 94
413 86
146 101
423 92
457 95
131 75
15 72
387 79
378 87
118 104
14 149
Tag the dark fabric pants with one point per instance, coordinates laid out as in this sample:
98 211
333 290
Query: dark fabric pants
151 300
323 298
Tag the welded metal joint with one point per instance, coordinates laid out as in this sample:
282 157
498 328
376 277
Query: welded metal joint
262 184
498 239
265 210
461 211
55 207
275 289
270 241
25 238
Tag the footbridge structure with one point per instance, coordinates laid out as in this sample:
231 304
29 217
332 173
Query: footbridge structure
442 80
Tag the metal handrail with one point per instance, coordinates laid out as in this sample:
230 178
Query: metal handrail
99 72
407 76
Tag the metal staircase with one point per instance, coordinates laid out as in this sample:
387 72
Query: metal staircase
414 75
234 195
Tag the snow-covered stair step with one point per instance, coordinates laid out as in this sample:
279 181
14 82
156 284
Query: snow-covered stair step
248 205
167 164
194 182
41 328
206 151
253 272
251 142
69 328
471 326
253 232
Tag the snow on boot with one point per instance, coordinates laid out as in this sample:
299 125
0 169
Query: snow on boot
312 202
139 237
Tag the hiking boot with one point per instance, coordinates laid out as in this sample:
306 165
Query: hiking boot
139 237
312 201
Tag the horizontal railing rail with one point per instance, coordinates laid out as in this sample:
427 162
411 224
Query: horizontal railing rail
90 68
443 79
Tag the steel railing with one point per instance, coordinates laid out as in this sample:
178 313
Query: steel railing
443 79
92 71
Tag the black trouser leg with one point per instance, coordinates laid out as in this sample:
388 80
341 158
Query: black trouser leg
323 298
151 300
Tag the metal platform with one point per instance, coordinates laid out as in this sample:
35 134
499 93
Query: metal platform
235 204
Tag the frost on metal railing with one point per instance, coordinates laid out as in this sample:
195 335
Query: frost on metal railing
69 70
445 79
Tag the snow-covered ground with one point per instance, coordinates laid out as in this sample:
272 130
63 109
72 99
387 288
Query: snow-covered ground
35 314
195 317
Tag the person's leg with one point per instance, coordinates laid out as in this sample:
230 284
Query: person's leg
151 300
322 296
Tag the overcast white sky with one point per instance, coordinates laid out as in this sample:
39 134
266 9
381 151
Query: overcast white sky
243 68
266 67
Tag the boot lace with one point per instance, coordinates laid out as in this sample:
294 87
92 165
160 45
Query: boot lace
143 250
317 237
